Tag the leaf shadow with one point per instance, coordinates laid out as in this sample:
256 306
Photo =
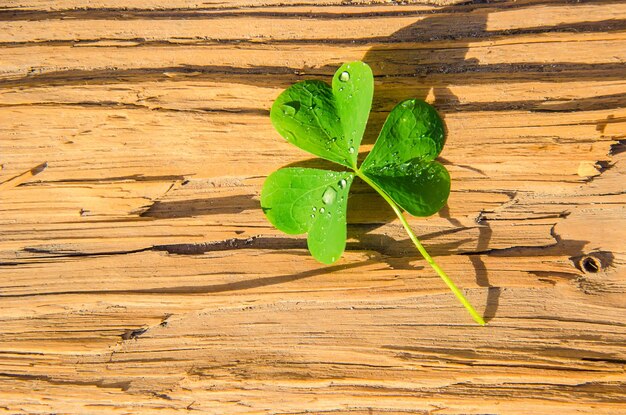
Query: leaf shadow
434 71
462 24
388 61
368 211
385 60
254 282
480 269
227 205
482 275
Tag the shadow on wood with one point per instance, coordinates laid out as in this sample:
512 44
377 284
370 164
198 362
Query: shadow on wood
228 205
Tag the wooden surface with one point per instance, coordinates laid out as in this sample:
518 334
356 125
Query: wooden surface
139 275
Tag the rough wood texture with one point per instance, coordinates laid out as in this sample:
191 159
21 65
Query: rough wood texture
139 275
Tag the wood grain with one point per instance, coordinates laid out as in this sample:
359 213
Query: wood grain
139 274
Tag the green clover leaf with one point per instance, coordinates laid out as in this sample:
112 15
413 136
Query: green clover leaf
329 122
401 162
300 200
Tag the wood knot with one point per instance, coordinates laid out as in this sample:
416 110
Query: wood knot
590 264
593 262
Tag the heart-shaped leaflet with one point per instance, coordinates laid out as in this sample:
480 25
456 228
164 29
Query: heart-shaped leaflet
328 122
402 162
298 200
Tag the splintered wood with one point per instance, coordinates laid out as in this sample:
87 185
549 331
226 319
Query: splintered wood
139 275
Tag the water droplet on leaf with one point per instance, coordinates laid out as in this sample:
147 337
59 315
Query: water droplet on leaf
290 108
322 210
351 150
329 196
344 76
342 183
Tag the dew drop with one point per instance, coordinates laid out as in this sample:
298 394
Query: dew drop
329 196
322 210
342 183
344 76
289 109
314 209
351 150
289 136
312 215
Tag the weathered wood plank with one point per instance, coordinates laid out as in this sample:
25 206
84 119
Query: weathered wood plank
139 274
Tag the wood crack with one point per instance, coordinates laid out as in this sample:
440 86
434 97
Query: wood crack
252 10
122 385
516 72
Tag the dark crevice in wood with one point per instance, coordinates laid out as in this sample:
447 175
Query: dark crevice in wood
554 105
548 275
532 216
559 247
72 254
265 75
424 35
231 244
133 334
251 10
605 360
134 106
115 179
597 391
123 385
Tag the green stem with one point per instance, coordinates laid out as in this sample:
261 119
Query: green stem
477 318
